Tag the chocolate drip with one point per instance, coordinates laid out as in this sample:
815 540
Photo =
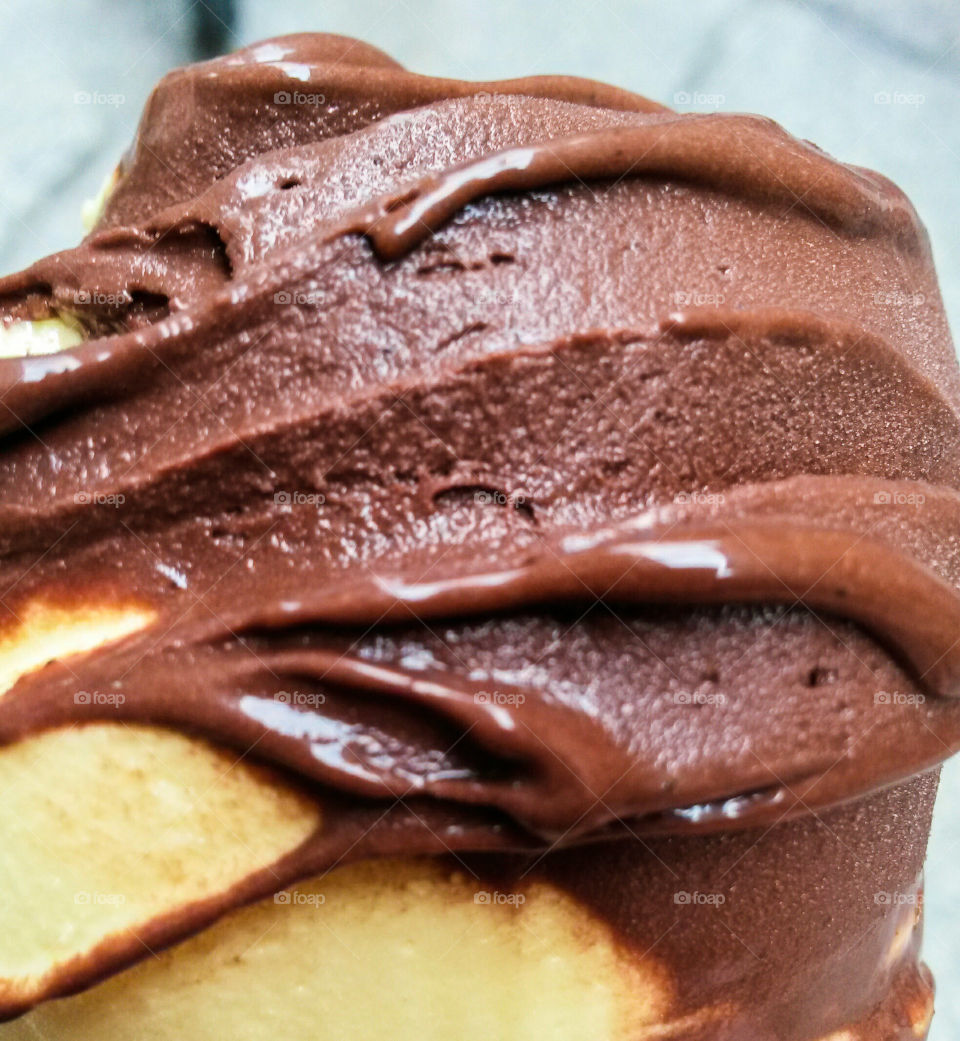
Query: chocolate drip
744 155
375 727
839 572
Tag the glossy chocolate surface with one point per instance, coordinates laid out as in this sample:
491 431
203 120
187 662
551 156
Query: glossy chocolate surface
514 464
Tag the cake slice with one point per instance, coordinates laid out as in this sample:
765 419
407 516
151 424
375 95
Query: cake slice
478 560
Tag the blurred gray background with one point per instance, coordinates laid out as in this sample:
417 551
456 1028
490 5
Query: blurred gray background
875 82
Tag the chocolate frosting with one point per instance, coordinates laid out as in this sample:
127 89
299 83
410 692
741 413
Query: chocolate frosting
513 464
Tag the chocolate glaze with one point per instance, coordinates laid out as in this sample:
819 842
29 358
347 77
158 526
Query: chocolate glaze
204 120
497 419
798 926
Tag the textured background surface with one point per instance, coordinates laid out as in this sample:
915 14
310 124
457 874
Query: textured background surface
875 82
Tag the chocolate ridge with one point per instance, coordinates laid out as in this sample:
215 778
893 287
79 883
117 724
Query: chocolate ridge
717 150
240 90
365 738
113 366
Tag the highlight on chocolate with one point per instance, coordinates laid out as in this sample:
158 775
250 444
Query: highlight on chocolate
481 560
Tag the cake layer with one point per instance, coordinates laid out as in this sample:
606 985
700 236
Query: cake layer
806 931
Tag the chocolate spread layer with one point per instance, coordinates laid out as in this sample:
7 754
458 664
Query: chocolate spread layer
513 464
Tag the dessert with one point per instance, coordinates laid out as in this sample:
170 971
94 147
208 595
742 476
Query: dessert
487 568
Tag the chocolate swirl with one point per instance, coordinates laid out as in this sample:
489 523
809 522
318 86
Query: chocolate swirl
595 464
